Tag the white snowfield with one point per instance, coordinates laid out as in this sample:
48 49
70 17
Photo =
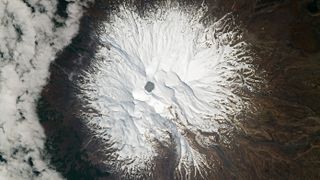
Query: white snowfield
29 41
196 71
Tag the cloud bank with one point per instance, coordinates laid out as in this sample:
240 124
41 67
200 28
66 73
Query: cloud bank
31 34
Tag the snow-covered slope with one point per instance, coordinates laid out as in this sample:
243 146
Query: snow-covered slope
165 81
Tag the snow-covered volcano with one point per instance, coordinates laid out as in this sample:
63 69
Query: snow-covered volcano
165 81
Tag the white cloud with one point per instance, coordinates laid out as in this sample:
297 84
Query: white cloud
23 72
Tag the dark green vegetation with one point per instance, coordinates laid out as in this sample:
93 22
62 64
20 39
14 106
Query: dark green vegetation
64 136
64 146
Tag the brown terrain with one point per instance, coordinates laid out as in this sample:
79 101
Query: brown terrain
280 139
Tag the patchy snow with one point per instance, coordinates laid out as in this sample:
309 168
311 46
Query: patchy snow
29 41
196 71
